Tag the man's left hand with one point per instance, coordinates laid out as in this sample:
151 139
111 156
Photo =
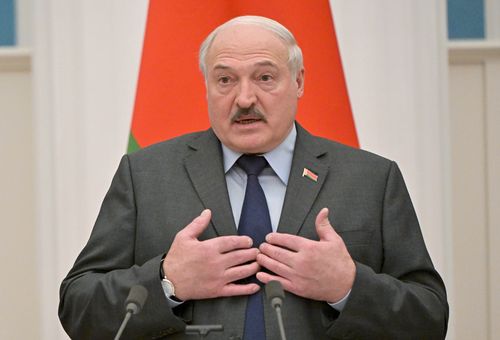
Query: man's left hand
320 270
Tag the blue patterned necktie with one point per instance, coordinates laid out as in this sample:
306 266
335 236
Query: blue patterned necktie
256 223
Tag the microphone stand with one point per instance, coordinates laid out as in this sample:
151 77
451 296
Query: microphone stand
124 323
275 294
280 322
202 330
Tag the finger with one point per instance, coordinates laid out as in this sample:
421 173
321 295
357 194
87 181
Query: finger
241 272
288 285
198 225
266 278
279 254
225 244
288 241
234 289
275 266
238 257
323 227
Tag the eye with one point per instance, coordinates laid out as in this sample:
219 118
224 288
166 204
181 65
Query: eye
224 80
266 77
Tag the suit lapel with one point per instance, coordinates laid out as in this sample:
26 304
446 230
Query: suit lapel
301 190
205 168
206 172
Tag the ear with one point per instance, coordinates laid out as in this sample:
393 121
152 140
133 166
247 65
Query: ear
300 82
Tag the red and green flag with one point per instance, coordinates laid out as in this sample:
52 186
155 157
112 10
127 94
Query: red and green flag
170 99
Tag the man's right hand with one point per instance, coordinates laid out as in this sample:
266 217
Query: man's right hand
208 269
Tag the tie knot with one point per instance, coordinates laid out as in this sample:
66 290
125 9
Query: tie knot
253 165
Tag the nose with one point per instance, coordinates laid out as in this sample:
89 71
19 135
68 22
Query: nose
246 96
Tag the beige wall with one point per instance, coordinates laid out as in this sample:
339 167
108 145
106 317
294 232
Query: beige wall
19 318
475 198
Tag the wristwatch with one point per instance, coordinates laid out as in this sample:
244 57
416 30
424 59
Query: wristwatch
168 286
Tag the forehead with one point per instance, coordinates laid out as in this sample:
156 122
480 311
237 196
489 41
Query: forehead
247 42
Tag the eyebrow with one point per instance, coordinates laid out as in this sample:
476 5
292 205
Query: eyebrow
221 67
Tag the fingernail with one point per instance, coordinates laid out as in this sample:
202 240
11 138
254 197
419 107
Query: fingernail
327 215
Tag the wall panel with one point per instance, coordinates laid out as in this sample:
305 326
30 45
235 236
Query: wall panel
475 125
19 318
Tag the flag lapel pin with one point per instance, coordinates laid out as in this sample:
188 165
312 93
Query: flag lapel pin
309 174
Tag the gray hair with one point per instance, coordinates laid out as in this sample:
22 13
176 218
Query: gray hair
295 59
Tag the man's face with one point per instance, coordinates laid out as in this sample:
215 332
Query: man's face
252 97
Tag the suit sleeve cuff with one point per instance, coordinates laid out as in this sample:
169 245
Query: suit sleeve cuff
339 305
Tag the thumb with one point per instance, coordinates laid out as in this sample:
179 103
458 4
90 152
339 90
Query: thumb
323 227
198 225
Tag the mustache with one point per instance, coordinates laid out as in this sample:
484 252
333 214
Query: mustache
252 110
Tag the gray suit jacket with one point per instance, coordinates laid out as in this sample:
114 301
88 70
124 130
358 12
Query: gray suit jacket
157 191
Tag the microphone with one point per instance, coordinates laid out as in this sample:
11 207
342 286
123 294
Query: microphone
276 295
134 303
136 298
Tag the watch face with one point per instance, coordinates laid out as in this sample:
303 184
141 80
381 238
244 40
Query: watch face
168 287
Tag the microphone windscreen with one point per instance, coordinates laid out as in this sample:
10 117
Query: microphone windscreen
138 295
274 289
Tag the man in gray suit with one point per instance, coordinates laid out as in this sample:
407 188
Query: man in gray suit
346 244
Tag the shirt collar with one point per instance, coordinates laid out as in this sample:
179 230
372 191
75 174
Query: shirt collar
280 158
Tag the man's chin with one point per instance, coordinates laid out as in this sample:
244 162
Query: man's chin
252 147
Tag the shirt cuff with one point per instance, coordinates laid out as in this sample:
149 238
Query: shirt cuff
339 305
